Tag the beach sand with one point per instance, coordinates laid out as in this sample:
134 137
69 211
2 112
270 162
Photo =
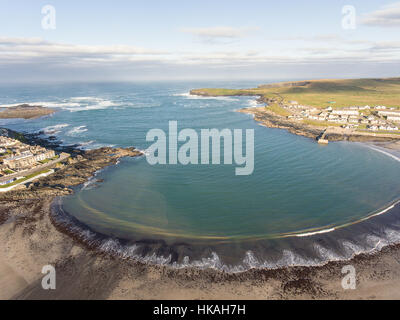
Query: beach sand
30 240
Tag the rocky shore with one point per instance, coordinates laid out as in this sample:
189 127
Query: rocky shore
31 239
271 120
69 173
25 111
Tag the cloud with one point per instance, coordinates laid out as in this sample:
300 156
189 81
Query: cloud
33 47
221 33
34 58
387 16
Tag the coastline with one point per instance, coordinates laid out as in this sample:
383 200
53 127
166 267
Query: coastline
30 238
28 243
271 120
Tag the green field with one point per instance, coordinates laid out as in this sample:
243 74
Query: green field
49 159
323 93
275 108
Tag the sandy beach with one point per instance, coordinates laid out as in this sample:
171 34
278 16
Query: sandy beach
29 240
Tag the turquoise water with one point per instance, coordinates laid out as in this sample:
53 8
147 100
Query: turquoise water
297 185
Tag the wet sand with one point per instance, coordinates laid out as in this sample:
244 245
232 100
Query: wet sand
29 240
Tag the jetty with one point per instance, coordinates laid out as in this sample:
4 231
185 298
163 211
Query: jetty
322 139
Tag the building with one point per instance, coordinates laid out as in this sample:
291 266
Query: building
27 159
20 161
346 112
393 118
7 142
389 113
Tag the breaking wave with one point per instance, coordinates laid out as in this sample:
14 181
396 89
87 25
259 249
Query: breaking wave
54 129
187 95
73 104
254 103
314 249
77 130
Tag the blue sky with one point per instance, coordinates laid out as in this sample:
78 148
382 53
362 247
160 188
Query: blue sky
133 40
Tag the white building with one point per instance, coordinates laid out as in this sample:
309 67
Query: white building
392 118
389 113
346 112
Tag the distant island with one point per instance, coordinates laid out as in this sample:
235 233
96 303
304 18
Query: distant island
24 111
350 109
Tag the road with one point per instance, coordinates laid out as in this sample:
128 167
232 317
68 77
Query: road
44 166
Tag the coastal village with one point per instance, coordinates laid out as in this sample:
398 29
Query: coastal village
21 163
377 118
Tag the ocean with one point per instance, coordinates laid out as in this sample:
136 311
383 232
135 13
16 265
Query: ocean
304 203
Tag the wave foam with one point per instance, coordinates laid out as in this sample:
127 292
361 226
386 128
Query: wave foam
189 96
55 128
77 130
384 152
73 104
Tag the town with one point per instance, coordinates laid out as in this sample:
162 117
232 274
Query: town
377 118
21 162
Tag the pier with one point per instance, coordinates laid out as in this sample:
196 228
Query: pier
322 139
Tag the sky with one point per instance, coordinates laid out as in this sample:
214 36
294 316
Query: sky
187 40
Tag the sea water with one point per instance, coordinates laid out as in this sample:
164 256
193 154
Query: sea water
298 188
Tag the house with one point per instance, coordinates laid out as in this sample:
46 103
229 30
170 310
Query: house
389 113
7 142
346 112
27 159
393 118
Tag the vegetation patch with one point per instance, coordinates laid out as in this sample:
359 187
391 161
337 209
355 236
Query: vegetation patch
30 176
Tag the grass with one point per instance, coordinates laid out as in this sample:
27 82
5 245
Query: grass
275 108
319 93
30 176
48 160
321 123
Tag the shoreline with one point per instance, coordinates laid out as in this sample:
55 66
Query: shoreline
23 218
143 250
271 120
85 273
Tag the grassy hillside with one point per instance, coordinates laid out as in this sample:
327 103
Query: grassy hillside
321 93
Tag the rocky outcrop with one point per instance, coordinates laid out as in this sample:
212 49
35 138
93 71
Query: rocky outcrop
25 111
271 120
71 172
